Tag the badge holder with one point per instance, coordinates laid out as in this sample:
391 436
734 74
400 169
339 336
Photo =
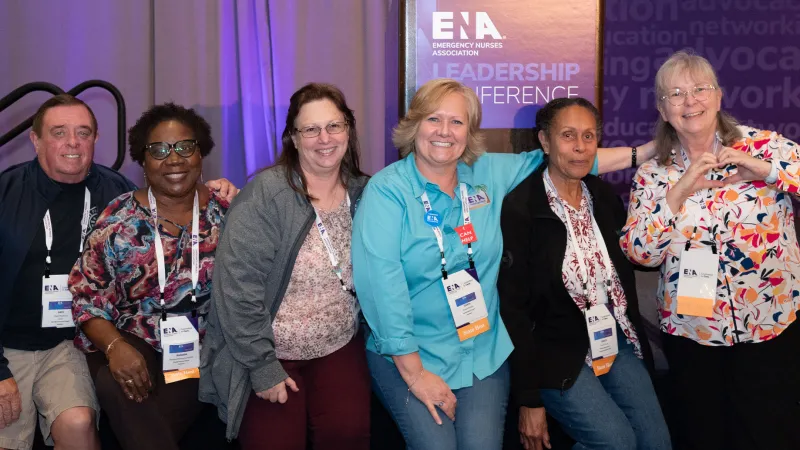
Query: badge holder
56 299
697 280
467 305
180 347
602 328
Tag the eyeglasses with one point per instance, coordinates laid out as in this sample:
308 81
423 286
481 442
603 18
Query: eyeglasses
160 150
314 131
677 97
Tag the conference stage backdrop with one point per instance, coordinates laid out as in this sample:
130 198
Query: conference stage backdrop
515 54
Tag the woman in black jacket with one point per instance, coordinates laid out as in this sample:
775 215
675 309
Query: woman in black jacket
571 310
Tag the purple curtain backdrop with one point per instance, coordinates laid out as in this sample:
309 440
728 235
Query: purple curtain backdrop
236 61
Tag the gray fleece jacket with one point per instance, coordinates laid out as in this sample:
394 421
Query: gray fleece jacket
262 234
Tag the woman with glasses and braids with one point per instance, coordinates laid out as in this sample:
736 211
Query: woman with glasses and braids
283 359
141 287
714 211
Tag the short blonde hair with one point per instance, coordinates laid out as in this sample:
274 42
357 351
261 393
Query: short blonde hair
666 138
425 102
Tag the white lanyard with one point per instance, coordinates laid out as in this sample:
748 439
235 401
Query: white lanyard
601 244
48 226
426 203
162 278
326 239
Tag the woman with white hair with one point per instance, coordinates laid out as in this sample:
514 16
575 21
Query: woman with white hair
713 210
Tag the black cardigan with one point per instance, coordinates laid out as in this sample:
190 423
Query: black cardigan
546 326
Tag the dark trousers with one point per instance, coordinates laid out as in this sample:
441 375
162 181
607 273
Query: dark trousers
741 397
332 405
158 422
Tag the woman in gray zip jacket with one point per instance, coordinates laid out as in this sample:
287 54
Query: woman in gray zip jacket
282 351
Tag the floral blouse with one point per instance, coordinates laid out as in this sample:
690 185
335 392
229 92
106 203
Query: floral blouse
753 227
317 317
116 277
582 221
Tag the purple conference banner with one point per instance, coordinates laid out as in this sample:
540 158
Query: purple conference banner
754 45
516 54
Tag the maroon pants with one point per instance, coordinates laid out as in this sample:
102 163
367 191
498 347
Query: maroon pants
332 406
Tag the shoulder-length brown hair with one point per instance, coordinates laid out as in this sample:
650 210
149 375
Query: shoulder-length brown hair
666 138
290 156
425 102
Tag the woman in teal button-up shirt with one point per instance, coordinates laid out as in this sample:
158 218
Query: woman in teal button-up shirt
413 345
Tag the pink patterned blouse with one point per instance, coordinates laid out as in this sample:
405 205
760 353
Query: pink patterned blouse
316 316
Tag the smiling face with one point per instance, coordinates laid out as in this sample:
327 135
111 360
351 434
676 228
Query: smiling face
571 143
442 135
174 176
694 118
320 155
66 147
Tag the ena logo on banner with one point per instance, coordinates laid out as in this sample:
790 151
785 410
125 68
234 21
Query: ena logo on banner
481 27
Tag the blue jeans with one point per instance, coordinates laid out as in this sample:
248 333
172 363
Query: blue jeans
480 411
616 411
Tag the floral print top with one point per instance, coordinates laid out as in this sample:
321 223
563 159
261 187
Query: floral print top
752 225
116 277
316 316
582 221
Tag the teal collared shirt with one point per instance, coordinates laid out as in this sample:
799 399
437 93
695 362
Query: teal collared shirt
396 263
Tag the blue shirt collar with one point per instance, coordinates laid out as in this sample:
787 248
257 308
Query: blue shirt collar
419 182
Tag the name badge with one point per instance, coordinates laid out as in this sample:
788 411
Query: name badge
467 234
697 282
602 337
56 302
180 348
465 297
480 199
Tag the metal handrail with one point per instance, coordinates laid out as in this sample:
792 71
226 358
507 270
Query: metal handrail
26 89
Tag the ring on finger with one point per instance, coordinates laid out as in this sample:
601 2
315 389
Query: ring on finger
440 404
129 381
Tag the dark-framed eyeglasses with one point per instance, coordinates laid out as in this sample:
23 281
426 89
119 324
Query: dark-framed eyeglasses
313 131
677 97
160 150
